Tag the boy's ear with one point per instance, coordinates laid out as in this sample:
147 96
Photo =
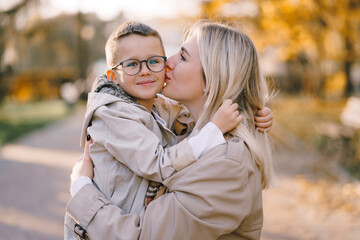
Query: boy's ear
111 75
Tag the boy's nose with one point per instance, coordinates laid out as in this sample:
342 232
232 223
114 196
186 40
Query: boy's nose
144 69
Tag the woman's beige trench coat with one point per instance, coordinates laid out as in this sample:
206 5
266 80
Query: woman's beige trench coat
217 197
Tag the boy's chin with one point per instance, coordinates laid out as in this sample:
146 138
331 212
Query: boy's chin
148 95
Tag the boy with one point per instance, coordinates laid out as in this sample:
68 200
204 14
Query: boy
131 142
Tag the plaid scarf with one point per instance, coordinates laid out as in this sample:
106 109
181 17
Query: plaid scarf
154 191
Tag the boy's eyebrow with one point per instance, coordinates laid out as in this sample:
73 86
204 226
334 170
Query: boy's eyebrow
185 51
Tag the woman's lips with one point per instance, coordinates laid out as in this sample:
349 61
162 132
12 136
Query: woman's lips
167 79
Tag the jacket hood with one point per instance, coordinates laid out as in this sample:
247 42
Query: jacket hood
103 85
103 92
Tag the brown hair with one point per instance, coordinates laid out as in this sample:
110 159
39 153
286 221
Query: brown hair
122 31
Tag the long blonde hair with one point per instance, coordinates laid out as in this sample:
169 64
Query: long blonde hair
231 70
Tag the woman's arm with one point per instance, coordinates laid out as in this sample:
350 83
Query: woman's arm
95 217
211 198
187 212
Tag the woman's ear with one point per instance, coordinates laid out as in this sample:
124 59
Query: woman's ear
111 76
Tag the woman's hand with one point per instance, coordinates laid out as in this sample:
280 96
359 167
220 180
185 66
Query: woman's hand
264 119
84 166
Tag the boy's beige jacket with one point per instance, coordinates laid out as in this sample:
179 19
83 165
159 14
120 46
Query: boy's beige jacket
130 147
217 197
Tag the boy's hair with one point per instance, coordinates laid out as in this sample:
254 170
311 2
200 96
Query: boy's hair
232 70
111 48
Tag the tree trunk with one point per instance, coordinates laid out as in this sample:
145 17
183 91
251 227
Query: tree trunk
349 59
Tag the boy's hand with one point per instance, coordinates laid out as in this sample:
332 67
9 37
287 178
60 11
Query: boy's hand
264 119
227 116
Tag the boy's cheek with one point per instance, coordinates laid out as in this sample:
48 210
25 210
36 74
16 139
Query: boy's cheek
118 78
115 80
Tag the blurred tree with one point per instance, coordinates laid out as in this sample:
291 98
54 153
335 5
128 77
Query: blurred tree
53 51
317 39
82 57
8 33
351 32
212 8
322 33
55 42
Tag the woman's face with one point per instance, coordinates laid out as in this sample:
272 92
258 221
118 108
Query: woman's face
184 79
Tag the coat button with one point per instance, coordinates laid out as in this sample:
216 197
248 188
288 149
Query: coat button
236 140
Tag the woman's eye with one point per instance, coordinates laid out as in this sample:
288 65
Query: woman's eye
182 57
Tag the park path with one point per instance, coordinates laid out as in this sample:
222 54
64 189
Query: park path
35 176
313 200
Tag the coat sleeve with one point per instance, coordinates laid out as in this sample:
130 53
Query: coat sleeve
209 200
91 210
125 135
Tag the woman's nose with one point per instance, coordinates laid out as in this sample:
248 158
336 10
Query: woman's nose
170 64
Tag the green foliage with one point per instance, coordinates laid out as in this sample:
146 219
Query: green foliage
10 131
17 120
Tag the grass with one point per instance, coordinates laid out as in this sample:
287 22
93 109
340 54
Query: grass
17 119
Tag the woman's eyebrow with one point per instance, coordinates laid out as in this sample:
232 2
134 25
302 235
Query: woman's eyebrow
185 51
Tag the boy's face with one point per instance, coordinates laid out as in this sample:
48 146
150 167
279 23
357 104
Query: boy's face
146 84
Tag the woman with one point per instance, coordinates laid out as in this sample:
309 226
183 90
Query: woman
220 195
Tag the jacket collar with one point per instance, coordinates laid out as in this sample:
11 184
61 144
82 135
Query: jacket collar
103 85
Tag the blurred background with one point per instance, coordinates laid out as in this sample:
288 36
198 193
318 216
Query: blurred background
51 51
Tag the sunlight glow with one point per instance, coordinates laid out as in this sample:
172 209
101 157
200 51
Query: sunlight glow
42 156
109 9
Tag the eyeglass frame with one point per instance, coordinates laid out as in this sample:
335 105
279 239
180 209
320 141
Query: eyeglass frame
141 61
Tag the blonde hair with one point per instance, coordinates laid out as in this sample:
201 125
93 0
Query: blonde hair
125 29
231 70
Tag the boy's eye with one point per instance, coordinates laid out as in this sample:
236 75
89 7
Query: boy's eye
153 61
130 64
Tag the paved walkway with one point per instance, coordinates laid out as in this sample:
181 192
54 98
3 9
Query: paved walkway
314 199
34 175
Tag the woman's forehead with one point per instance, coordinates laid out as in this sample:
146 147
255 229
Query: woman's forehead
190 45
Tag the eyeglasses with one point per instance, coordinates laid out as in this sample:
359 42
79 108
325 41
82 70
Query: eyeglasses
133 66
